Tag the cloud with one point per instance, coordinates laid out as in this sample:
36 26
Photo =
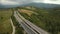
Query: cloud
52 1
14 2
20 2
7 2
38 0
47 1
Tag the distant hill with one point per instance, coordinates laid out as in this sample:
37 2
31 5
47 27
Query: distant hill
1 6
39 5
8 6
43 5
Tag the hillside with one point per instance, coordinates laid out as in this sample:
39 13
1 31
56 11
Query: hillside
39 5
48 20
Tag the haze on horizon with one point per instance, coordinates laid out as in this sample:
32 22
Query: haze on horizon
17 2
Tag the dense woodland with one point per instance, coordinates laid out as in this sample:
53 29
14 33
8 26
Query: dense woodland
47 19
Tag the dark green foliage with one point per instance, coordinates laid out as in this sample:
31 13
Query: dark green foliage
1 17
19 30
49 20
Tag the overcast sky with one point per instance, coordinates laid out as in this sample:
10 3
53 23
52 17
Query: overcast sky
48 1
16 2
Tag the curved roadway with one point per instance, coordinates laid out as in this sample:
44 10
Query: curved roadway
29 27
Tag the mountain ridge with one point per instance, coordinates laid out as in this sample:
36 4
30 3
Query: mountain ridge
39 5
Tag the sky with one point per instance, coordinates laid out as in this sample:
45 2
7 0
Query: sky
48 1
14 2
17 2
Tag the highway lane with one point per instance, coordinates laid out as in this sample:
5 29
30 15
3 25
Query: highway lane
38 29
25 26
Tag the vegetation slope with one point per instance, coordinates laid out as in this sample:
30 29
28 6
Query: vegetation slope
47 19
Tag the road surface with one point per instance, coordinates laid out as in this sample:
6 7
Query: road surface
36 30
24 25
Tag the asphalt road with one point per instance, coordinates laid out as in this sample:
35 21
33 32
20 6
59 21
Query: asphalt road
30 26
24 25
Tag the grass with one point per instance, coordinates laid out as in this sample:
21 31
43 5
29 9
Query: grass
5 24
19 29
